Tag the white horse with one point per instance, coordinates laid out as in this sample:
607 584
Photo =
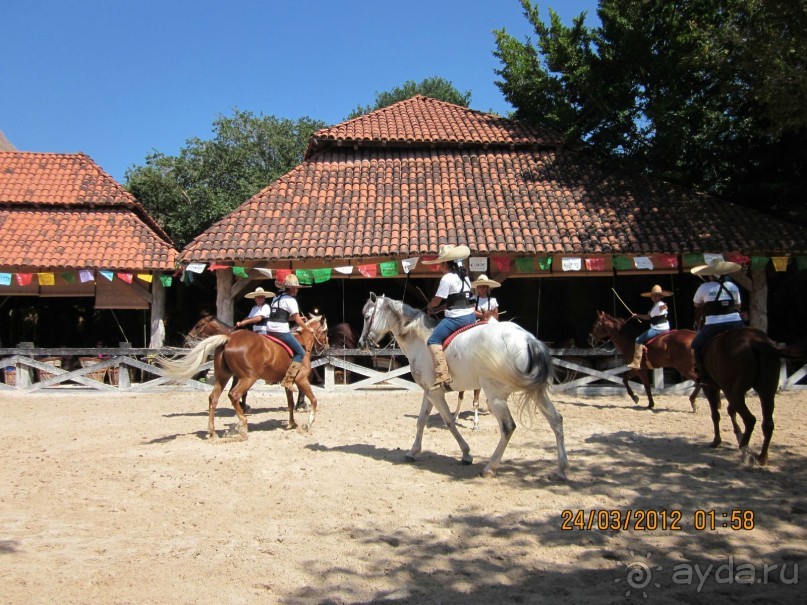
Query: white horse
501 358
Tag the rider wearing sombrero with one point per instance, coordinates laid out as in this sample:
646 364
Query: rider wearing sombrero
486 306
659 324
718 302
455 290
259 314
284 308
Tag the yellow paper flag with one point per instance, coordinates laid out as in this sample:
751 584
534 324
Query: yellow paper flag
779 263
144 277
46 279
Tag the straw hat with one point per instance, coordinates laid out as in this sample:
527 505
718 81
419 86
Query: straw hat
484 281
291 281
449 252
657 290
259 292
716 267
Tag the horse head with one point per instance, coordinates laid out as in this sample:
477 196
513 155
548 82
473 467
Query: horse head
318 327
372 330
601 330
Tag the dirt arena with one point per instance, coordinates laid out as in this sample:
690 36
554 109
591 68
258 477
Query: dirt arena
121 499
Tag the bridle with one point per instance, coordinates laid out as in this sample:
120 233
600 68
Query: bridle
320 346
368 328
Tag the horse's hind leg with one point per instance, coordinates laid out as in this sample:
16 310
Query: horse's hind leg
767 401
290 403
644 376
738 406
631 394
476 408
460 397
236 393
555 420
213 400
305 389
439 401
507 427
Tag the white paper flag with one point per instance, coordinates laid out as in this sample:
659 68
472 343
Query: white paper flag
708 258
344 270
196 267
478 264
570 263
408 264
266 272
84 275
643 262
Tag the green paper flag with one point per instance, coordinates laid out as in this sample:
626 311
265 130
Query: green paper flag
759 262
545 263
525 264
305 276
321 275
693 259
240 272
389 268
70 278
801 262
622 263
166 280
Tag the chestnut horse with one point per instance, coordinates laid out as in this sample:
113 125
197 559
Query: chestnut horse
249 356
739 360
210 325
670 350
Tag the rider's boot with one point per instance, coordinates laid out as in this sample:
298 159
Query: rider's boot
442 377
291 374
636 363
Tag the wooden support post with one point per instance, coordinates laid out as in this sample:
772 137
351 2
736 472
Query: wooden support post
157 314
225 309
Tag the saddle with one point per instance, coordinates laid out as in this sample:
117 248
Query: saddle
455 333
274 339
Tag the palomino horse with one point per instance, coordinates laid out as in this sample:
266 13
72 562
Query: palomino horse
735 362
670 350
249 356
501 358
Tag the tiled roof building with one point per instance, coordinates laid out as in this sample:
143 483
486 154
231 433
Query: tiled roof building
400 181
61 211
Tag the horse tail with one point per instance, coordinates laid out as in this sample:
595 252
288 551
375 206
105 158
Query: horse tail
798 351
187 365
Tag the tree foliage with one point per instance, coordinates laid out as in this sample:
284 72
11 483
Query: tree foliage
434 87
208 179
710 94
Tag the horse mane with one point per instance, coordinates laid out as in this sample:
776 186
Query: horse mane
414 319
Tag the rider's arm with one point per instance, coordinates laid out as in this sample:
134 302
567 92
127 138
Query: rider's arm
249 321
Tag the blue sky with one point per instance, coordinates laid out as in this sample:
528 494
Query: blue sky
117 79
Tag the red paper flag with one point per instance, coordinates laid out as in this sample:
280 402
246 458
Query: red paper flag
665 261
214 267
368 270
280 275
127 277
431 268
501 263
595 264
24 279
736 257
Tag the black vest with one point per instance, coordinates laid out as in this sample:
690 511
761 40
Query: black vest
275 312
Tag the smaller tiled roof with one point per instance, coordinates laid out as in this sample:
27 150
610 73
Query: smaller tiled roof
423 121
62 210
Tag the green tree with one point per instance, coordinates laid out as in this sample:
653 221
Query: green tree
210 178
434 87
709 94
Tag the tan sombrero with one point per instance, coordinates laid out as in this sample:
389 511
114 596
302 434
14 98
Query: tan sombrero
657 290
291 281
484 281
716 267
449 252
259 292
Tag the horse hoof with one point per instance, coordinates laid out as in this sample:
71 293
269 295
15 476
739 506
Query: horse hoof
635 398
559 476
650 406
467 460
409 458
715 444
488 473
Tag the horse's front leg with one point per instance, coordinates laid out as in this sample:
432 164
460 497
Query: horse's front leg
423 418
713 396
290 403
693 398
305 389
475 404
439 400
644 376
460 397
625 377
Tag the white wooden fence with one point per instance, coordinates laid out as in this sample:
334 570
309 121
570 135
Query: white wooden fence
581 371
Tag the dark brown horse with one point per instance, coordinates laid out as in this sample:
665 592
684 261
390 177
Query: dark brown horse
735 362
249 356
670 350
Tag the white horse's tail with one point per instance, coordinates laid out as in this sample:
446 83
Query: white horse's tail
186 366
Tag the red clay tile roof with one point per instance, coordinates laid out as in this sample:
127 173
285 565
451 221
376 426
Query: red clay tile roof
422 120
407 199
63 211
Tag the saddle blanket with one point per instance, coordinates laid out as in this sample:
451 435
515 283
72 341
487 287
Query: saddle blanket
451 336
286 347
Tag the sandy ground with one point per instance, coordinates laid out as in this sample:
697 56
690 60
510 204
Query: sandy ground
122 499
